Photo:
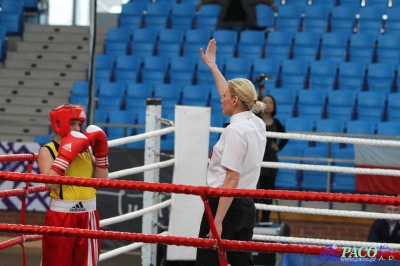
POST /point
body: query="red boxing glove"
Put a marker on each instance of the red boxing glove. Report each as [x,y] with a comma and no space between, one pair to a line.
[99,143]
[72,144]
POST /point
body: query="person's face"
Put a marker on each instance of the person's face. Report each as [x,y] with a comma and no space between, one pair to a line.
[269,104]
[227,102]
[76,125]
[391,209]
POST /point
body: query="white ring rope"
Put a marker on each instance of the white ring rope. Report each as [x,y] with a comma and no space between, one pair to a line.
[139,137]
[323,168]
[340,213]
[136,214]
[140,169]
[124,249]
[324,242]
[309,137]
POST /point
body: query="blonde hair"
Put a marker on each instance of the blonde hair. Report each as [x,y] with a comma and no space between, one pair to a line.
[245,91]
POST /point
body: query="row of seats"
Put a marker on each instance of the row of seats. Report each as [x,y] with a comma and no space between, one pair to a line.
[314,180]
[290,16]
[295,73]
[340,47]
[341,105]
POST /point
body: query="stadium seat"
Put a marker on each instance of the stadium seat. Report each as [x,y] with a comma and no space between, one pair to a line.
[322,75]
[329,126]
[389,128]
[316,18]
[343,19]
[306,45]
[168,92]
[149,35]
[237,68]
[195,95]
[298,125]
[334,46]
[294,74]
[120,117]
[387,48]
[314,180]
[381,77]
[182,70]
[268,67]
[289,18]
[279,45]
[371,106]
[370,20]
[393,107]
[392,23]
[111,89]
[265,16]
[362,48]
[352,76]
[183,15]
[80,88]
[360,127]
[341,105]
[131,14]
[311,104]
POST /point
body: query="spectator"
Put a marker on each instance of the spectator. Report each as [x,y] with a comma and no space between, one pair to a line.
[385,230]
[238,14]
[268,175]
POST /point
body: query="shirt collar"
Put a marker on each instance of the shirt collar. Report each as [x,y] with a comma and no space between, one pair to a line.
[241,116]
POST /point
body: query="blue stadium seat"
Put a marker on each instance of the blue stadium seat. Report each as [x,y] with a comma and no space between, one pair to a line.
[392,23]
[343,19]
[371,106]
[279,45]
[298,125]
[111,89]
[143,49]
[370,20]
[120,117]
[389,128]
[352,76]
[341,104]
[306,45]
[362,47]
[139,91]
[237,68]
[128,63]
[268,67]
[329,126]
[334,46]
[168,92]
[116,48]
[316,18]
[289,18]
[182,70]
[381,77]
[195,95]
[131,14]
[294,74]
[314,180]
[202,22]
[12,16]
[393,107]
[265,16]
[148,35]
[104,61]
[360,127]
[169,50]
[183,15]
[250,51]
[109,102]
[387,48]
[80,88]
[322,75]
[311,104]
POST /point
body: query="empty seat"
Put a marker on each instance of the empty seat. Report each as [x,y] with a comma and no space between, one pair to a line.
[182,15]
[111,89]
[392,22]
[285,99]
[389,128]
[330,127]
[362,47]
[360,127]
[341,105]
[279,45]
[371,106]
[120,117]
[311,103]
[322,75]
[237,68]
[289,18]
[298,125]
[209,23]
[381,77]
[131,14]
[294,74]
[316,18]
[310,179]
[352,76]
[168,93]
[343,19]
[182,70]
[388,48]
[306,45]
[334,46]
[370,20]
[267,67]
[393,107]
[195,95]
[265,16]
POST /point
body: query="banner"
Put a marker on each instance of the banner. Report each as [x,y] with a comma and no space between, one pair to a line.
[367,156]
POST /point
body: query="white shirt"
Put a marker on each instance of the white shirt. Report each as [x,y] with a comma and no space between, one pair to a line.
[241,149]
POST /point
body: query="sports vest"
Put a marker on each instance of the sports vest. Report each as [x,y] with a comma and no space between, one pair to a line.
[81,167]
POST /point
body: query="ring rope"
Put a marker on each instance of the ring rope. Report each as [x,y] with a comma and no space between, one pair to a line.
[132,215]
[341,213]
[139,137]
[325,168]
[124,249]
[22,191]
[203,190]
[141,169]
[19,240]
[324,242]
[174,240]
[310,137]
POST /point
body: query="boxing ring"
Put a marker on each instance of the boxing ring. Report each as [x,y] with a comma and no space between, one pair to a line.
[189,195]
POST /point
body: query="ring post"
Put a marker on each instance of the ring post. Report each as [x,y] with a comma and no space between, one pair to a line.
[192,134]
[151,156]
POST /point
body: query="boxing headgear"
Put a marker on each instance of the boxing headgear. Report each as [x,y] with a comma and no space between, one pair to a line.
[61,117]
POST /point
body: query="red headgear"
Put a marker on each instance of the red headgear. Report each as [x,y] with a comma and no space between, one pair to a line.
[61,117]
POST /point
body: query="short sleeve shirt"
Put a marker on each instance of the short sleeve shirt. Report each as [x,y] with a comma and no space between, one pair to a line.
[241,149]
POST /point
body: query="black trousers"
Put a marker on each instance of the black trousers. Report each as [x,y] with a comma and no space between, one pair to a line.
[238,224]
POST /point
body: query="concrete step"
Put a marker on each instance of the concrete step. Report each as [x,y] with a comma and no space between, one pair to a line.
[44,65]
[29,110]
[32,100]
[43,74]
[50,93]
[39,28]
[55,47]
[32,37]
[29,82]
[47,56]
